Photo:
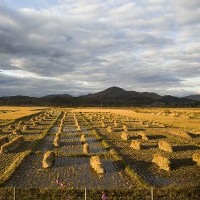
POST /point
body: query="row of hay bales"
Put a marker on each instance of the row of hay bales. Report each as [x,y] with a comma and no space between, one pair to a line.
[126,136]
[165,163]
[110,129]
[86,148]
[77,124]
[162,161]
[56,139]
[162,145]
[9,146]
[43,116]
[95,162]
[60,129]
[142,122]
[22,126]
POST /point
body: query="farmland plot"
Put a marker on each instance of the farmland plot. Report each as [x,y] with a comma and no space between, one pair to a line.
[74,130]
[71,167]
[183,170]
[73,172]
[31,135]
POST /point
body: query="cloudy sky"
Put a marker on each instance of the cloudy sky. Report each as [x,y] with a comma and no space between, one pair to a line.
[83,46]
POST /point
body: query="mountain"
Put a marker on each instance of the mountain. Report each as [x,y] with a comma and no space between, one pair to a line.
[194,97]
[171,100]
[119,93]
[118,96]
[57,95]
[151,95]
[17,100]
[112,92]
[113,96]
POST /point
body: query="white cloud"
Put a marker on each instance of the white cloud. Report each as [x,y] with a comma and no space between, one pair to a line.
[23,74]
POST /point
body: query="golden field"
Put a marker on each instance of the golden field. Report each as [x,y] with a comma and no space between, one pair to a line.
[136,148]
[11,113]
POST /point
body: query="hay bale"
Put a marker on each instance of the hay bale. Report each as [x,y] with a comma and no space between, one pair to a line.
[125,136]
[25,127]
[60,129]
[17,131]
[165,146]
[83,138]
[161,161]
[21,123]
[162,126]
[76,123]
[3,140]
[115,124]
[125,128]
[96,164]
[34,123]
[12,145]
[86,148]
[56,141]
[58,134]
[32,119]
[196,158]
[103,125]
[79,128]
[135,144]
[143,135]
[11,127]
[141,122]
[48,159]
[180,133]
[109,129]
[91,118]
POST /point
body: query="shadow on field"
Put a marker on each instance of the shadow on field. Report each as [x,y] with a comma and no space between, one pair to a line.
[136,129]
[192,135]
[134,137]
[117,129]
[22,147]
[91,140]
[69,143]
[110,168]
[140,166]
[177,163]
[64,161]
[156,137]
[185,148]
[146,147]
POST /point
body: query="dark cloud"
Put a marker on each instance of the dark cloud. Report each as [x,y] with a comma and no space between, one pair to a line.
[84,46]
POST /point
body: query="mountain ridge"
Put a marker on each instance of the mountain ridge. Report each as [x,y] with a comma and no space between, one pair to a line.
[113,96]
[194,97]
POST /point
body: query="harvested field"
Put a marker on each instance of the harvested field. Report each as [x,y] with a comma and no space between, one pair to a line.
[126,146]
[8,113]
[140,160]
[74,172]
